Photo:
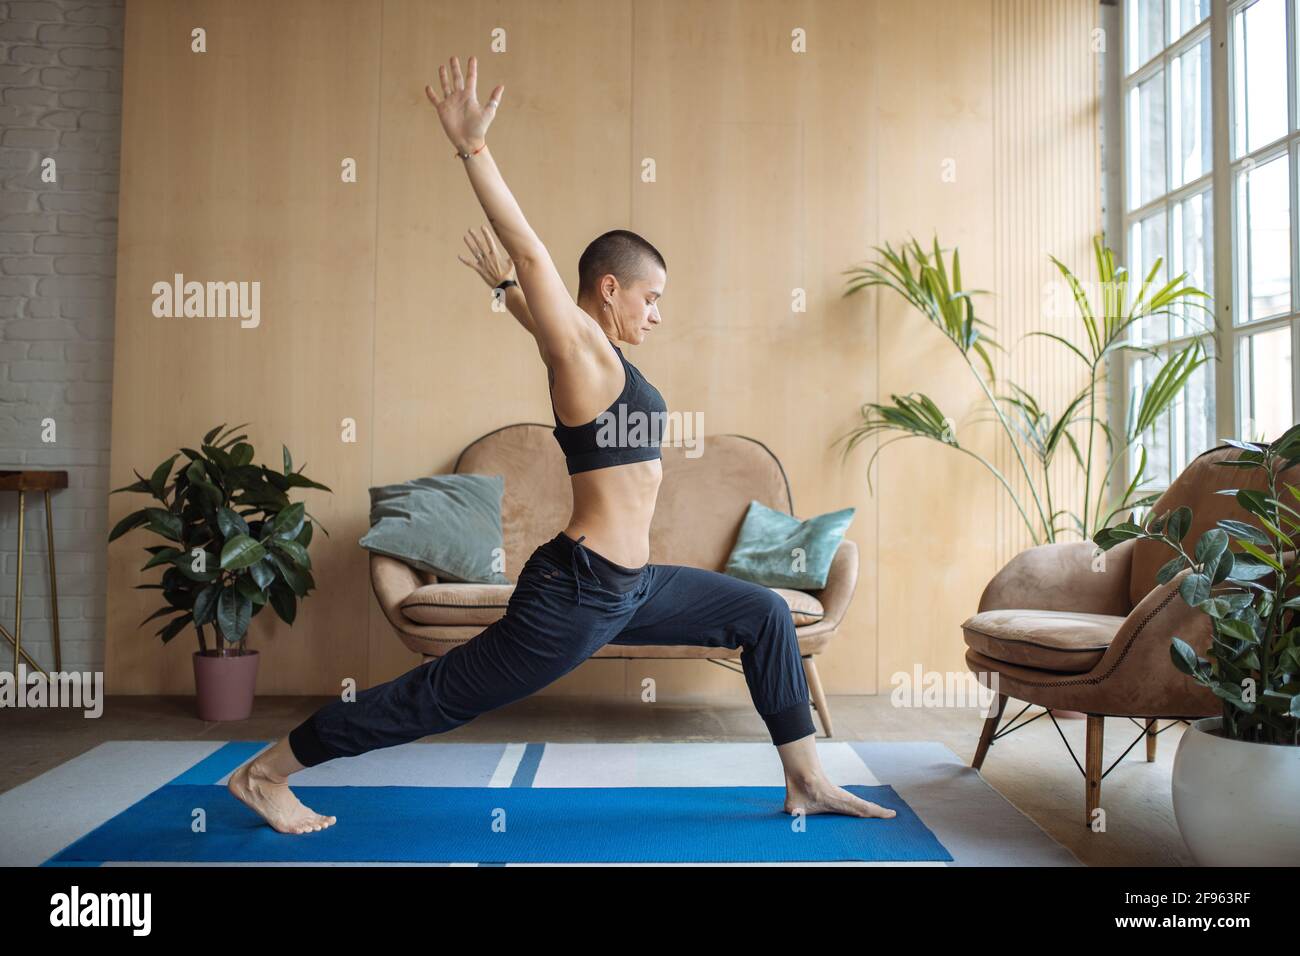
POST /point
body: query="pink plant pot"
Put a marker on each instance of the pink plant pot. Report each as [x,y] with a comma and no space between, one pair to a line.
[225,685]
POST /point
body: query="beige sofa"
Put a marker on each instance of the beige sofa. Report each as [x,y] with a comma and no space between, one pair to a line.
[702,502]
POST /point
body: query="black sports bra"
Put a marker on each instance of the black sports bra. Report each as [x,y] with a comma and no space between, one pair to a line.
[629,430]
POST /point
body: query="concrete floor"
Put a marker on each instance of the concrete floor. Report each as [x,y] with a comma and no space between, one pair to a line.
[1030,767]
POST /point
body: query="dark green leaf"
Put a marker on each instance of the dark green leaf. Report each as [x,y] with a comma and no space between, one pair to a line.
[249,589]
[230,523]
[220,459]
[158,481]
[205,604]
[233,613]
[165,523]
[1223,568]
[294,550]
[1185,659]
[241,454]
[289,522]
[1195,589]
[263,573]
[134,520]
[284,602]
[1256,502]
[165,556]
[1246,531]
[241,551]
[159,613]
[296,579]
[1246,567]
[1239,629]
[1211,546]
[1180,522]
[142,486]
[1170,570]
[296,480]
[174,628]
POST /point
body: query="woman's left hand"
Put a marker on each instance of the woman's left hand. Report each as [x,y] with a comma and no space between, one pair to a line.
[489,262]
[463,120]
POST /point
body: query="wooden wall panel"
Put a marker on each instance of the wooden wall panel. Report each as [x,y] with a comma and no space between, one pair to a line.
[765,189]
[231,172]
[1014,109]
[935,135]
[775,171]
[1046,183]
[448,368]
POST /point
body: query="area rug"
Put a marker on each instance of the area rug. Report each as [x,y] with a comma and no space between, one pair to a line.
[165,802]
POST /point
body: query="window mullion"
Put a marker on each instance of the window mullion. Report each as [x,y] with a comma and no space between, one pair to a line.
[1225,381]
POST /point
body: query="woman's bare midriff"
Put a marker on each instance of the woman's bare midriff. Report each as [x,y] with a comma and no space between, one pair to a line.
[613,507]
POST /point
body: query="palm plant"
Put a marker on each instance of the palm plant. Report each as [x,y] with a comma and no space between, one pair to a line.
[925,281]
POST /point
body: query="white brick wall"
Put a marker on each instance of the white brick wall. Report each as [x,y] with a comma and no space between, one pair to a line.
[60,98]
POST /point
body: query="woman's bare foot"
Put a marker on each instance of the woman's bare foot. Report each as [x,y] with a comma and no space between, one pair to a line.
[274,802]
[819,795]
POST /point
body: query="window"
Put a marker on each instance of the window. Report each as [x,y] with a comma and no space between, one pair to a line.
[1209,186]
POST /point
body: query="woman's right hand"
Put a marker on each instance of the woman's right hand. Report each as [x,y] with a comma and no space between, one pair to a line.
[463,120]
[490,262]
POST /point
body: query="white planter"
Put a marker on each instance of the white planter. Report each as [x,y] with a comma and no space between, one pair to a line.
[1236,801]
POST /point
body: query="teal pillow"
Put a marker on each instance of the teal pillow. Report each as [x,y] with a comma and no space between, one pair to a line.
[766,549]
[449,525]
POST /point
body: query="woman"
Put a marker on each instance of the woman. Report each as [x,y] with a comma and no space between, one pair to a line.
[571,599]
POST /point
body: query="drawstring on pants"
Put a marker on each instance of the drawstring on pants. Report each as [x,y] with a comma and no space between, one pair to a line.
[577,577]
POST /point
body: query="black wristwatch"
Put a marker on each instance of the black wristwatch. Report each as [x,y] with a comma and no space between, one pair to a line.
[506,283]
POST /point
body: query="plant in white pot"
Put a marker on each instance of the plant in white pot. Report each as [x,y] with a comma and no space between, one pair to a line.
[234,544]
[1236,778]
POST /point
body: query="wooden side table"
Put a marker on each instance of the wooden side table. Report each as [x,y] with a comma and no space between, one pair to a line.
[23,482]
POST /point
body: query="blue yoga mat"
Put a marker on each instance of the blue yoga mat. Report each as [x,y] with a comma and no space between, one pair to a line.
[536,824]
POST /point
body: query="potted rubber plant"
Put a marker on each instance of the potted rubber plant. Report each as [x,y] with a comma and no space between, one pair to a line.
[1235,777]
[233,544]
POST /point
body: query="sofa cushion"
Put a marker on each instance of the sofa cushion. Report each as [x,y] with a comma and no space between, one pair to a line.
[478,605]
[765,549]
[453,603]
[1065,641]
[448,525]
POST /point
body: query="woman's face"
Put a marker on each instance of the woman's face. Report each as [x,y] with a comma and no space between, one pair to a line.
[637,305]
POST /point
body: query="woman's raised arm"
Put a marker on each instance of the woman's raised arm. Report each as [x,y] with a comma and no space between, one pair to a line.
[557,317]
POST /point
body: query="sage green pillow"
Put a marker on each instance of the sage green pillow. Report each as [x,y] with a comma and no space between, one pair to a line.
[449,525]
[780,551]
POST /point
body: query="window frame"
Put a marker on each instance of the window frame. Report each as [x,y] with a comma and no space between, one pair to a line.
[1221,179]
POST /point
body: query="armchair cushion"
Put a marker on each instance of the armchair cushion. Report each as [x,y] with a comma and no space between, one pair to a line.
[1069,642]
[804,608]
[1064,576]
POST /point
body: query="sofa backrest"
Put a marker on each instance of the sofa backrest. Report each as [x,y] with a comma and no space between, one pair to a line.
[702,500]
[1196,488]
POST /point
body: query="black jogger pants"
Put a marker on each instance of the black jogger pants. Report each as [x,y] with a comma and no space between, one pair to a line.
[568,603]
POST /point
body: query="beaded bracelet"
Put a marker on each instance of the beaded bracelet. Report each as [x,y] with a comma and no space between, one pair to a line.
[468,155]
